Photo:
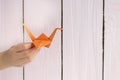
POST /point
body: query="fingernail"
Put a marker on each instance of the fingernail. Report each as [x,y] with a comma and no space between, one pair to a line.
[28,45]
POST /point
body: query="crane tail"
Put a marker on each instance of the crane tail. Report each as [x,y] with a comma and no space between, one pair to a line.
[29,32]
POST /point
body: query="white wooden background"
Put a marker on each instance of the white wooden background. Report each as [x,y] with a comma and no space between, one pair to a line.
[82,38]
[112,51]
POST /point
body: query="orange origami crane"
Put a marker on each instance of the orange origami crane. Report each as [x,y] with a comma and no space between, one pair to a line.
[42,40]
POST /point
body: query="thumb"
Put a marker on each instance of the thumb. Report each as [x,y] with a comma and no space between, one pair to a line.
[28,45]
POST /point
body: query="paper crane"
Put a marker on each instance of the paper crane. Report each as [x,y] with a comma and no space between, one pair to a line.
[42,40]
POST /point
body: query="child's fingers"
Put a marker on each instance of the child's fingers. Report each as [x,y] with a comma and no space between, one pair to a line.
[27,57]
[22,62]
[30,53]
[22,46]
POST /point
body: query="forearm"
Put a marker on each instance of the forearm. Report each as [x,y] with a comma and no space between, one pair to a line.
[3,64]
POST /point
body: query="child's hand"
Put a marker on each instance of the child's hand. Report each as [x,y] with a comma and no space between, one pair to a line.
[20,54]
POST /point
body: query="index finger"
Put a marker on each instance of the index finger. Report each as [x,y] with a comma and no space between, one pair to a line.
[23,46]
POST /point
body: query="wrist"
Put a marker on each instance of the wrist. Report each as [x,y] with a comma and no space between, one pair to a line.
[3,63]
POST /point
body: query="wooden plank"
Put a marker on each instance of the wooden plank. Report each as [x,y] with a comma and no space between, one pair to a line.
[10,33]
[44,16]
[82,39]
[112,40]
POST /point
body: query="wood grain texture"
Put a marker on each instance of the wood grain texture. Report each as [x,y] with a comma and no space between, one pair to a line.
[10,33]
[82,40]
[112,40]
[42,16]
